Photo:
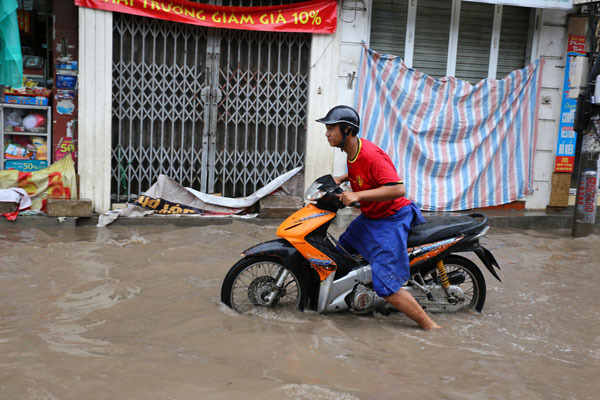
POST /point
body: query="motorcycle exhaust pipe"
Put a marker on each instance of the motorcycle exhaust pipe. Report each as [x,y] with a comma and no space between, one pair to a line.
[457,277]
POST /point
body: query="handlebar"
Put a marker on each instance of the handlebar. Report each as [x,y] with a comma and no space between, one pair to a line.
[338,190]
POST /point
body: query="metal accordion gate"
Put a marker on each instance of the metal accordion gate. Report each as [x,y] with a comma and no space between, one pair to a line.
[221,111]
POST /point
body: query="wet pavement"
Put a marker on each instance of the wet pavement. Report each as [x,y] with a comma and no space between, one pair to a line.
[134,312]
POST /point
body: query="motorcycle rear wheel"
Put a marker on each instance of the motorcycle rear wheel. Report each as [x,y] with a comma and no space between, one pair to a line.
[473,287]
[249,282]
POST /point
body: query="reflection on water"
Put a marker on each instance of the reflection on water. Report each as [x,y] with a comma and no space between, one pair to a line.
[134,312]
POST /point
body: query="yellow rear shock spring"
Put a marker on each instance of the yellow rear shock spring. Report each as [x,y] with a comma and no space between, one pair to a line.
[443,276]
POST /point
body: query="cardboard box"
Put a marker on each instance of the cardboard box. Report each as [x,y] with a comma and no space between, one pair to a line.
[578,25]
[26,100]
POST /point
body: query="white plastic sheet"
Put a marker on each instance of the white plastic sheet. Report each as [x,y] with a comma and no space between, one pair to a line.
[167,190]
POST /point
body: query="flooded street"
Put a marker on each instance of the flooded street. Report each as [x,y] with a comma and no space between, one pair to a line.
[134,312]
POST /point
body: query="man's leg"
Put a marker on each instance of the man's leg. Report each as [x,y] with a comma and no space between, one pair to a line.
[406,303]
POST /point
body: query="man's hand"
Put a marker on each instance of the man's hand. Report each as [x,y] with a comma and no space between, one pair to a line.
[348,198]
[340,179]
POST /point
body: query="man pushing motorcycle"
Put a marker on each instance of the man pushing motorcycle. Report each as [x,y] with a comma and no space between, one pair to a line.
[380,232]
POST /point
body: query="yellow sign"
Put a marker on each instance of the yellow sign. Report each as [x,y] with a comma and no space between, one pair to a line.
[58,181]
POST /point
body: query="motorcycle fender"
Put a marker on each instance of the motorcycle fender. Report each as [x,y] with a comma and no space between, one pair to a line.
[278,248]
[488,259]
[282,250]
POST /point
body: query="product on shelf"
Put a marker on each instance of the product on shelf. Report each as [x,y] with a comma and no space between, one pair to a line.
[29,89]
[13,119]
[41,147]
[29,94]
[24,121]
[15,152]
[25,148]
[34,120]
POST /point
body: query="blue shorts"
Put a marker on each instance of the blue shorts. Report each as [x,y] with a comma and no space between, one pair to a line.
[382,242]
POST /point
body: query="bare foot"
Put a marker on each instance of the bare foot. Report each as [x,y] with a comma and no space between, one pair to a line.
[432,327]
[406,303]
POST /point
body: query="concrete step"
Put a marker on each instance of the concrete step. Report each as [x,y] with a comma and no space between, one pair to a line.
[6,207]
[279,206]
[69,208]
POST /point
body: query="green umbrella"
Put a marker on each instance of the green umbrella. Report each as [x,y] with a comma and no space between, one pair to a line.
[11,59]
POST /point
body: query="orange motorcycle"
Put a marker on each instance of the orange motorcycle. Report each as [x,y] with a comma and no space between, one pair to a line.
[307,268]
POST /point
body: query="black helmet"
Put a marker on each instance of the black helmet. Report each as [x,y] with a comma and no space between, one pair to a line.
[340,115]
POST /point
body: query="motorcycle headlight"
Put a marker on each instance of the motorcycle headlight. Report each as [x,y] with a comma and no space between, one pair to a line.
[314,192]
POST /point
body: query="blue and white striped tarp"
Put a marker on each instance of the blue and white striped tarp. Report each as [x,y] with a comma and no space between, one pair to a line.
[457,146]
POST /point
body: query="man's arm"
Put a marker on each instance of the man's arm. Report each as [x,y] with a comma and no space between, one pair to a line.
[382,193]
[341,179]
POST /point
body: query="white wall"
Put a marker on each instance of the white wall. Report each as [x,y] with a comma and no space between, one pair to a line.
[94,115]
[551,46]
[354,25]
[329,85]
[322,95]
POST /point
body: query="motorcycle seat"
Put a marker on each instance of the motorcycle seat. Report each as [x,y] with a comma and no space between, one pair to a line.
[440,228]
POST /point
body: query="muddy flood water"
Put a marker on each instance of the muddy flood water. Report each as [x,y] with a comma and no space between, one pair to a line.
[134,312]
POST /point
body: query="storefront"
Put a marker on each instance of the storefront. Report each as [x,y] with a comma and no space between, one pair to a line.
[469,40]
[38,112]
[218,101]
[136,75]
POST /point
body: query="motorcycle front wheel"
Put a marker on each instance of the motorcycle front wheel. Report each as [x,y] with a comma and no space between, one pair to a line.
[252,283]
[468,277]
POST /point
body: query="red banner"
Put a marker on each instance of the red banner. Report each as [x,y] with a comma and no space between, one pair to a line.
[576,44]
[317,16]
[564,164]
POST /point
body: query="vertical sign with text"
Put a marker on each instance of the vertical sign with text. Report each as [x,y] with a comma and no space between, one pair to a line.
[567,137]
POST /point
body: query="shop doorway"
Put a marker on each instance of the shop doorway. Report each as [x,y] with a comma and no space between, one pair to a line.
[26,115]
[221,111]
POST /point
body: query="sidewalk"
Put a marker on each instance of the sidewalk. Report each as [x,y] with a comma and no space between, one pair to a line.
[515,219]
[537,220]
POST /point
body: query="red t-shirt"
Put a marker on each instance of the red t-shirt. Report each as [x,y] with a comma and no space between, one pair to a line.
[371,169]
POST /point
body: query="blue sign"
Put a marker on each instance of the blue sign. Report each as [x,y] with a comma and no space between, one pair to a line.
[567,137]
